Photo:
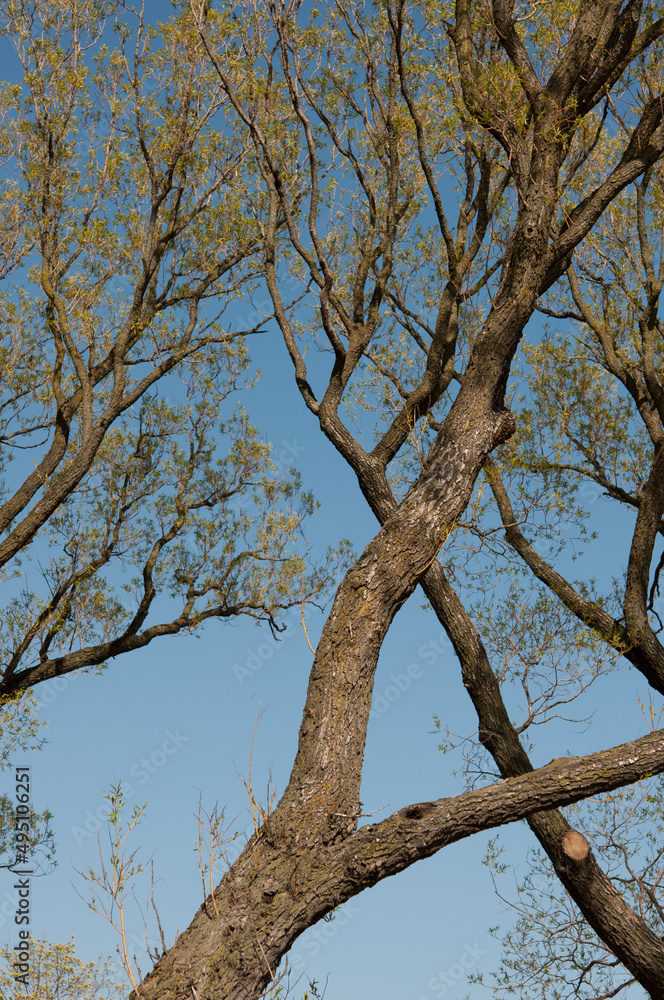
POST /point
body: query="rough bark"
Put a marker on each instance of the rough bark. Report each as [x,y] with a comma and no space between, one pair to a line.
[320,806]
[288,876]
[309,857]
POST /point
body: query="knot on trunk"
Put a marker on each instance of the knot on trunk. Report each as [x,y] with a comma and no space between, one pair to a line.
[504,427]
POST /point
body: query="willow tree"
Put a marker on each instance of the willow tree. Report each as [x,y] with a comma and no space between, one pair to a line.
[124,242]
[594,419]
[246,140]
[55,971]
[136,498]
[368,124]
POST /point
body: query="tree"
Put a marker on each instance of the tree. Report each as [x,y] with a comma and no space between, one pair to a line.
[534,119]
[122,219]
[551,951]
[153,504]
[352,123]
[38,837]
[57,974]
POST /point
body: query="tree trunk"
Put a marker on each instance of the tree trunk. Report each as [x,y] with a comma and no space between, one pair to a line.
[288,876]
[309,858]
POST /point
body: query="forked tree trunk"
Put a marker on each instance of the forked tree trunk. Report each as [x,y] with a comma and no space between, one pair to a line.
[309,857]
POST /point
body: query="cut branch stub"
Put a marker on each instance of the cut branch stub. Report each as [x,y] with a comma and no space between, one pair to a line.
[575,845]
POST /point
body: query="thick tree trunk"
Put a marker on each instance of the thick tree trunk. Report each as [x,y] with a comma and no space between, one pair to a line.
[321,803]
[288,877]
[623,931]
[309,858]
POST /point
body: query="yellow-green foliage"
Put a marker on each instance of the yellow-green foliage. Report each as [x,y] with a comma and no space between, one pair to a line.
[56,973]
